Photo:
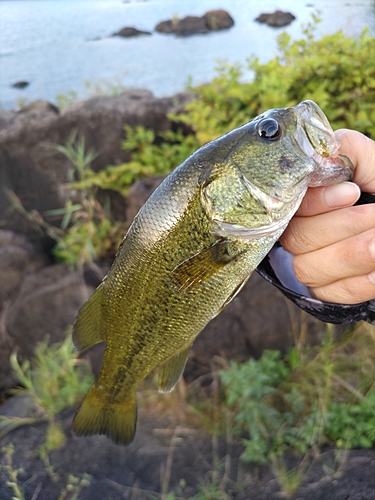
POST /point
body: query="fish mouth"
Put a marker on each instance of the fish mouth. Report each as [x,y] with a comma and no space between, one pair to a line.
[316,139]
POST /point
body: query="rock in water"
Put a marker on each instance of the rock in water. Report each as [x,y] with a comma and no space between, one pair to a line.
[129,31]
[277,19]
[218,20]
[213,20]
[21,84]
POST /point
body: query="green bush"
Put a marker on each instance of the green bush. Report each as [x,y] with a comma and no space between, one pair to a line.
[312,396]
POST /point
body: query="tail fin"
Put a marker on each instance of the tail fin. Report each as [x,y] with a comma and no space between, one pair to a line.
[117,421]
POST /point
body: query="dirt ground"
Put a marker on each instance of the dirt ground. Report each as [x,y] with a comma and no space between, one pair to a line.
[163,457]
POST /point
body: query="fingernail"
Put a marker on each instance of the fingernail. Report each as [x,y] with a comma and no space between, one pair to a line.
[341,195]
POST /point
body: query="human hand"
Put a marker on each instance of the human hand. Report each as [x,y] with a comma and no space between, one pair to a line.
[334,242]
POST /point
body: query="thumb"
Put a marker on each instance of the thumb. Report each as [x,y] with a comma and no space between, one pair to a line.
[327,198]
[361,150]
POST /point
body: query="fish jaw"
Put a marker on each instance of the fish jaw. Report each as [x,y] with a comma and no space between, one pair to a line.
[317,140]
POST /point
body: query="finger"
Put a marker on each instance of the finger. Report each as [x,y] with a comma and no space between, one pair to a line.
[361,150]
[306,234]
[325,199]
[347,291]
[348,258]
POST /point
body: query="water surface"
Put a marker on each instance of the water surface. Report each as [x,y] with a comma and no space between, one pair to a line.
[60,45]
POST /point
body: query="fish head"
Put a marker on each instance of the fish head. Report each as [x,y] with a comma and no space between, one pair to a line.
[275,158]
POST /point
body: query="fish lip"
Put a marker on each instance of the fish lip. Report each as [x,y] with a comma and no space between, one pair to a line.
[316,139]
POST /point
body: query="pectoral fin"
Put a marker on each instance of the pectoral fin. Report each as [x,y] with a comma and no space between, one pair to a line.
[201,266]
[87,329]
[171,370]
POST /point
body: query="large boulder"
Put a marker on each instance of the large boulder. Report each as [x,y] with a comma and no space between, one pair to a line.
[46,306]
[18,258]
[34,170]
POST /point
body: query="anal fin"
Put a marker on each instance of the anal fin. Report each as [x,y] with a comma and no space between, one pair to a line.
[87,328]
[171,370]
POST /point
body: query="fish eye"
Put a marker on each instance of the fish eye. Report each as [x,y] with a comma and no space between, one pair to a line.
[269,129]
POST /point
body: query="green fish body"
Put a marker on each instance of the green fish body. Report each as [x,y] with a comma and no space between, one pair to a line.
[189,251]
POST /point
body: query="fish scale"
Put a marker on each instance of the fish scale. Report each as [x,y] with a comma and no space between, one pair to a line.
[189,251]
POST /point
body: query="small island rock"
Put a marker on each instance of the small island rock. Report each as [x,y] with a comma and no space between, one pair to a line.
[129,31]
[218,20]
[277,19]
[20,85]
[213,20]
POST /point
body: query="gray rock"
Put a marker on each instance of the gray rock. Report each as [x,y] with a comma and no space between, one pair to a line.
[277,19]
[189,25]
[34,170]
[218,20]
[47,304]
[18,258]
[21,406]
[130,32]
[21,84]
[213,20]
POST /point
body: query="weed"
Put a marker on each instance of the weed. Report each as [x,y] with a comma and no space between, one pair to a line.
[105,87]
[312,396]
[20,102]
[74,487]
[55,378]
[65,100]
[71,491]
[12,473]
[86,231]
[152,154]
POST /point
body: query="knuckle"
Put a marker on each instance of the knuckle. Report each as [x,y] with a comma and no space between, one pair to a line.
[292,239]
[303,272]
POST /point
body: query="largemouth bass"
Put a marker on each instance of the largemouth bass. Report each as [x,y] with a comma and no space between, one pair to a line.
[190,250]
